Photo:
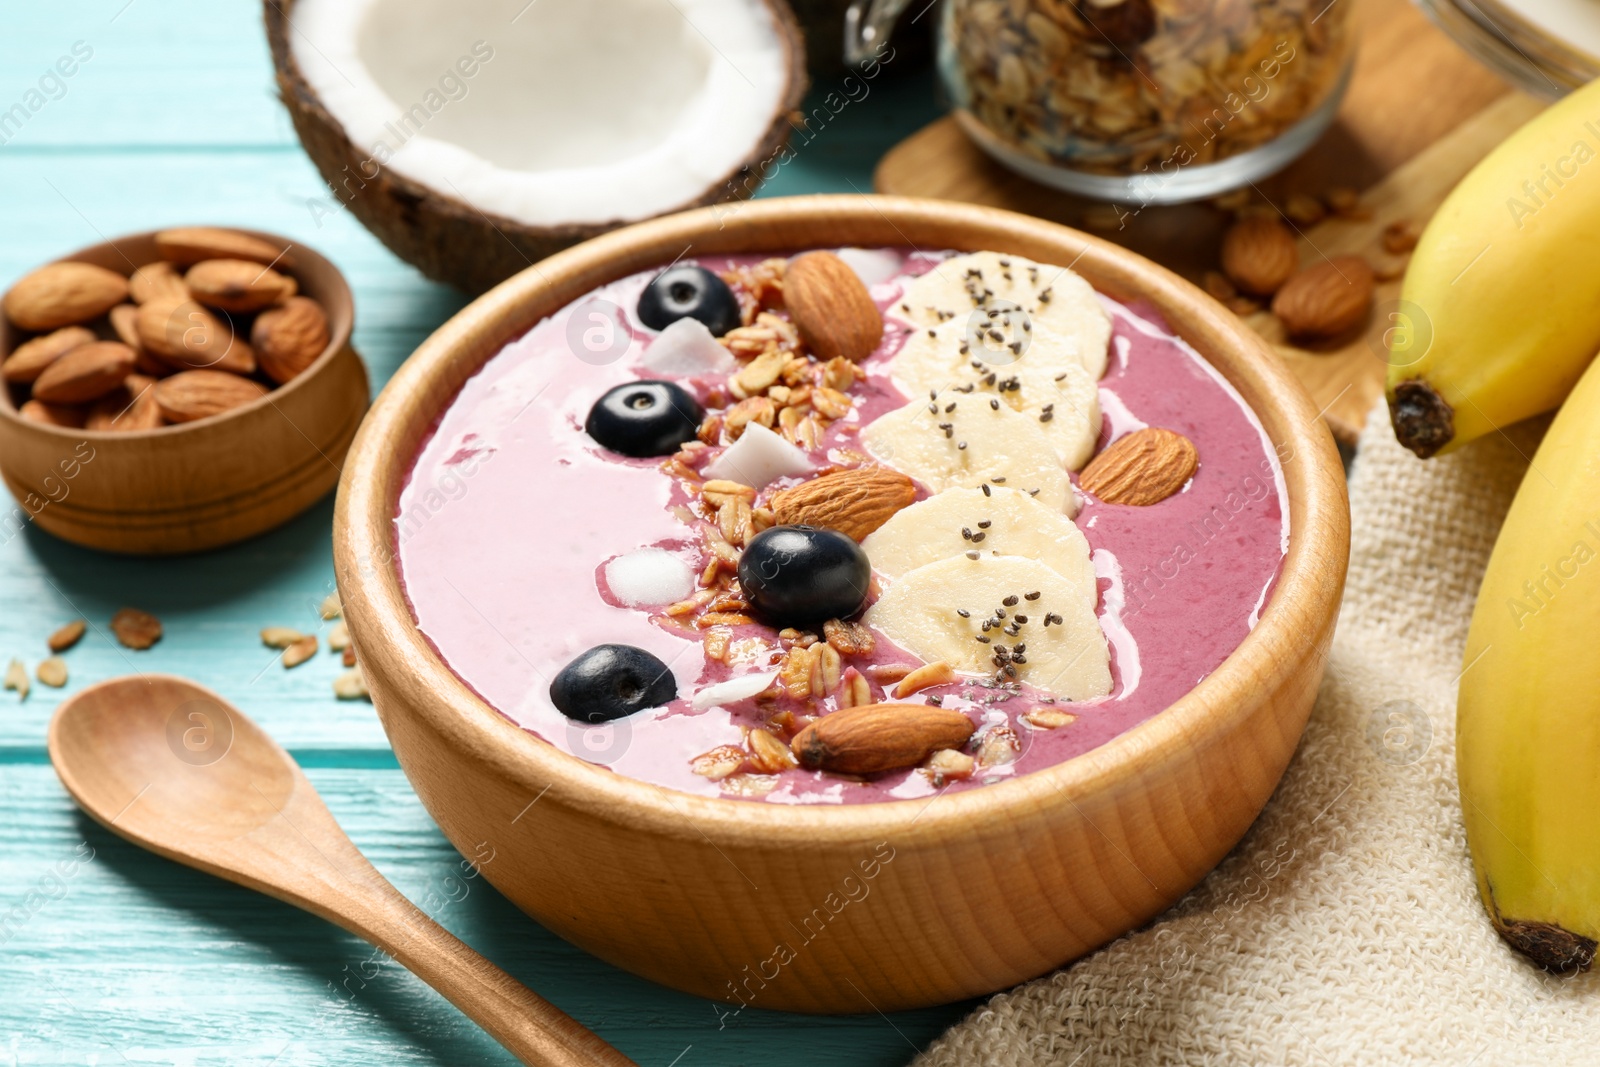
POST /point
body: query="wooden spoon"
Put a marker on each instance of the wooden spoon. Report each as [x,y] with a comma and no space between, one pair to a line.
[173,767]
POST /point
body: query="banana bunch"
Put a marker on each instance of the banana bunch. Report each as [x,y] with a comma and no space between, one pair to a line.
[1528,718]
[1500,309]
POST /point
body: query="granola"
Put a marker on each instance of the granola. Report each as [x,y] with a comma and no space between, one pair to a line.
[1141,85]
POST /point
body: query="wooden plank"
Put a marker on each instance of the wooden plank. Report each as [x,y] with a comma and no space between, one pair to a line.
[1394,112]
[158,74]
[125,953]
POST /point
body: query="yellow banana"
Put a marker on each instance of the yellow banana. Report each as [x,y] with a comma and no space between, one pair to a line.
[1528,718]
[1500,309]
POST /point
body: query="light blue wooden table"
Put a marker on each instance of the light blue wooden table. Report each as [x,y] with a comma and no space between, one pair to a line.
[109,955]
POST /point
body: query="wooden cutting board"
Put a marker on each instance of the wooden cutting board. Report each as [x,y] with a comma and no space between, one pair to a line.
[1419,114]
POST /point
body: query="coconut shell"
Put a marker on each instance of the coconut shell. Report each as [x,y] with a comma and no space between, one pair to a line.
[448,239]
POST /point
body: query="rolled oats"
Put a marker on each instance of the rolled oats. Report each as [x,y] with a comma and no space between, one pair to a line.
[850,638]
[751,409]
[854,689]
[768,754]
[718,763]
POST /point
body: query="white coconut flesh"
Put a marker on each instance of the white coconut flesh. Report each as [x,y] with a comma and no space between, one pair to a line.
[549,112]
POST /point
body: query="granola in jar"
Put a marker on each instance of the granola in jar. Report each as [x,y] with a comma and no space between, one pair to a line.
[1144,89]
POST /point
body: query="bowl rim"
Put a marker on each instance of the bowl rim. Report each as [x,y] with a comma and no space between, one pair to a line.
[1304,600]
[339,309]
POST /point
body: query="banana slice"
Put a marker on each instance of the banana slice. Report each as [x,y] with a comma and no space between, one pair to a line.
[1032,368]
[1050,296]
[921,612]
[962,440]
[1004,523]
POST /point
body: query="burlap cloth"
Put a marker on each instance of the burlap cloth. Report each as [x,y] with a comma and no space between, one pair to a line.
[1345,928]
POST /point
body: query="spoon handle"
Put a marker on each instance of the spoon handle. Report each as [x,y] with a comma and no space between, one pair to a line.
[531,1028]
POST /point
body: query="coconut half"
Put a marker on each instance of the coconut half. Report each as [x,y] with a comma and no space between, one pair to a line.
[475,137]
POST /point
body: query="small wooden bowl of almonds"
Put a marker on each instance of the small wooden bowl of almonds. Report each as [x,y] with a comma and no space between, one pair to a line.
[177,390]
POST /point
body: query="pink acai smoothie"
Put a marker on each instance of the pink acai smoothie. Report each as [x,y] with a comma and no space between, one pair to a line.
[512,512]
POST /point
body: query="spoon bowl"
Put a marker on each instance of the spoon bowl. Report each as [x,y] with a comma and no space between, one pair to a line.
[203,775]
[176,769]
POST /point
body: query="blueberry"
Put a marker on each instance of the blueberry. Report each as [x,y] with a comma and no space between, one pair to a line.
[610,681]
[793,575]
[692,292]
[646,418]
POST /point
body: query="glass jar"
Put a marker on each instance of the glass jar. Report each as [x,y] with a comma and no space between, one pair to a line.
[1544,47]
[1142,101]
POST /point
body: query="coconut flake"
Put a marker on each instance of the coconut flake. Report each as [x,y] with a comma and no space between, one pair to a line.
[686,348]
[872,265]
[757,457]
[741,688]
[648,578]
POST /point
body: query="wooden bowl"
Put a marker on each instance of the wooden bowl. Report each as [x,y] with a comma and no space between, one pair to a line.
[862,907]
[200,484]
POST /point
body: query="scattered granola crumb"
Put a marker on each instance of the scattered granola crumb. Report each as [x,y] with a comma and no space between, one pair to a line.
[300,651]
[949,764]
[349,659]
[1049,718]
[52,672]
[331,608]
[929,674]
[17,678]
[67,636]
[280,636]
[339,636]
[1401,236]
[351,685]
[1346,203]
[136,629]
[718,763]
[1303,210]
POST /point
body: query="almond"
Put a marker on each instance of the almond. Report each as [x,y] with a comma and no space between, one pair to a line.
[130,406]
[831,308]
[237,285]
[67,636]
[32,357]
[86,373]
[1327,298]
[136,629]
[1141,469]
[289,339]
[63,294]
[199,394]
[125,324]
[190,244]
[879,737]
[188,336]
[1259,255]
[64,415]
[854,502]
[158,279]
